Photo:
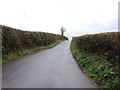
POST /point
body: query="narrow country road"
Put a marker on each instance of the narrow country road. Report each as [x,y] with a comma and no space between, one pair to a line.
[51,68]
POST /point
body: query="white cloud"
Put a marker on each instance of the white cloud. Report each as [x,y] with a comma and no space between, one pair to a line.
[77,16]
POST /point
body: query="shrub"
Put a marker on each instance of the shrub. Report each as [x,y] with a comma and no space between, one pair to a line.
[104,44]
[97,68]
[15,39]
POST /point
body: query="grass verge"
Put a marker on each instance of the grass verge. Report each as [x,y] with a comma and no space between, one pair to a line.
[14,55]
[98,70]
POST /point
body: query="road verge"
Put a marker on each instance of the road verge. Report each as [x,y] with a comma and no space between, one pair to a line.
[14,55]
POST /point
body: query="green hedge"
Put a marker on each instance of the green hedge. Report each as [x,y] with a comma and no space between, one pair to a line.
[99,70]
[106,45]
[15,39]
[99,57]
[14,55]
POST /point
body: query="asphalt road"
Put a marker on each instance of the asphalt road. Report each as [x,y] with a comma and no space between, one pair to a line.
[51,68]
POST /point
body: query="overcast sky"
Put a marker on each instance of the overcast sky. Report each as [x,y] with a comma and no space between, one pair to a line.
[78,17]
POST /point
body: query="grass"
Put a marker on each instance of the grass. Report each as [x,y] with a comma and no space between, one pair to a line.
[98,70]
[14,55]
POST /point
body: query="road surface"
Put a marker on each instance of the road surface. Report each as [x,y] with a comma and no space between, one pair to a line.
[51,68]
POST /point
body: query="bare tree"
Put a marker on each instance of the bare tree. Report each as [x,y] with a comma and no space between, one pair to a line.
[62,31]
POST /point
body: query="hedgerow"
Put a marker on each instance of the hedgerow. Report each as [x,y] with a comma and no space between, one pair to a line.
[98,55]
[14,39]
[106,45]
